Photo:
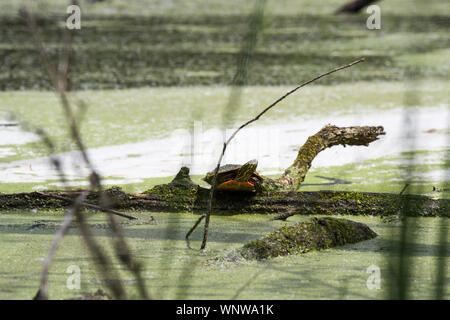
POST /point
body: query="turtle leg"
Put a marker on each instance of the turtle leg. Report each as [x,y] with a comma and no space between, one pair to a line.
[246,171]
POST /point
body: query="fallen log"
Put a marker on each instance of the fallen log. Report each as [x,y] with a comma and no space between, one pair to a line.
[177,198]
[89,205]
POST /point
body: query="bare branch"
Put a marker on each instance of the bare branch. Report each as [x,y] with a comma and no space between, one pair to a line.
[214,181]
[42,293]
[289,93]
[89,205]
[58,77]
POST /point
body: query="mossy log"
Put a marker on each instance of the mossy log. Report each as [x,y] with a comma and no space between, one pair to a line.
[313,234]
[177,198]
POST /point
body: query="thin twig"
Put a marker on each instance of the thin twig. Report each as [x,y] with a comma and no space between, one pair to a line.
[249,282]
[239,80]
[195,226]
[123,252]
[89,205]
[112,278]
[59,78]
[404,189]
[289,93]
[42,292]
[213,184]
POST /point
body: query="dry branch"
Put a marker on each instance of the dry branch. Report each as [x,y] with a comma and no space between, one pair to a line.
[89,205]
[42,293]
[216,170]
[327,137]
[59,79]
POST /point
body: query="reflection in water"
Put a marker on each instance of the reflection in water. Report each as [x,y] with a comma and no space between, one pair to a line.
[333,182]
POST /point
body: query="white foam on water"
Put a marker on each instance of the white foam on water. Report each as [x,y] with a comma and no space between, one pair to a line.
[4,152]
[14,135]
[86,182]
[275,147]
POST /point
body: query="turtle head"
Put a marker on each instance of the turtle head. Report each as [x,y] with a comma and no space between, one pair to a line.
[209,177]
[247,170]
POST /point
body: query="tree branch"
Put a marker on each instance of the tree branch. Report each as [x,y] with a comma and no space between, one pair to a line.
[213,184]
[327,137]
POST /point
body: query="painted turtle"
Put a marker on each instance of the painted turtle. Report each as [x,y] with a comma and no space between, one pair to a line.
[236,177]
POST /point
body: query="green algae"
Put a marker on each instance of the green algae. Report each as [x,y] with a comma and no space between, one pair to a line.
[180,194]
[178,199]
[181,49]
[173,271]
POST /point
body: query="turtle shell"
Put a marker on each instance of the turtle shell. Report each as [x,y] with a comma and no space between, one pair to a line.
[226,179]
[234,185]
[225,173]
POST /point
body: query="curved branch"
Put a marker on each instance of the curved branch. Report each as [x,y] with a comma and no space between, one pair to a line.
[327,137]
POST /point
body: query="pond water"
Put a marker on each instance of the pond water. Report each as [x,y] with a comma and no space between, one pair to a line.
[171,270]
[155,79]
[416,136]
[274,145]
[155,82]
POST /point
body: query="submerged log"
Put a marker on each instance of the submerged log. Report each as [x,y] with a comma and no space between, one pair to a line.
[313,234]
